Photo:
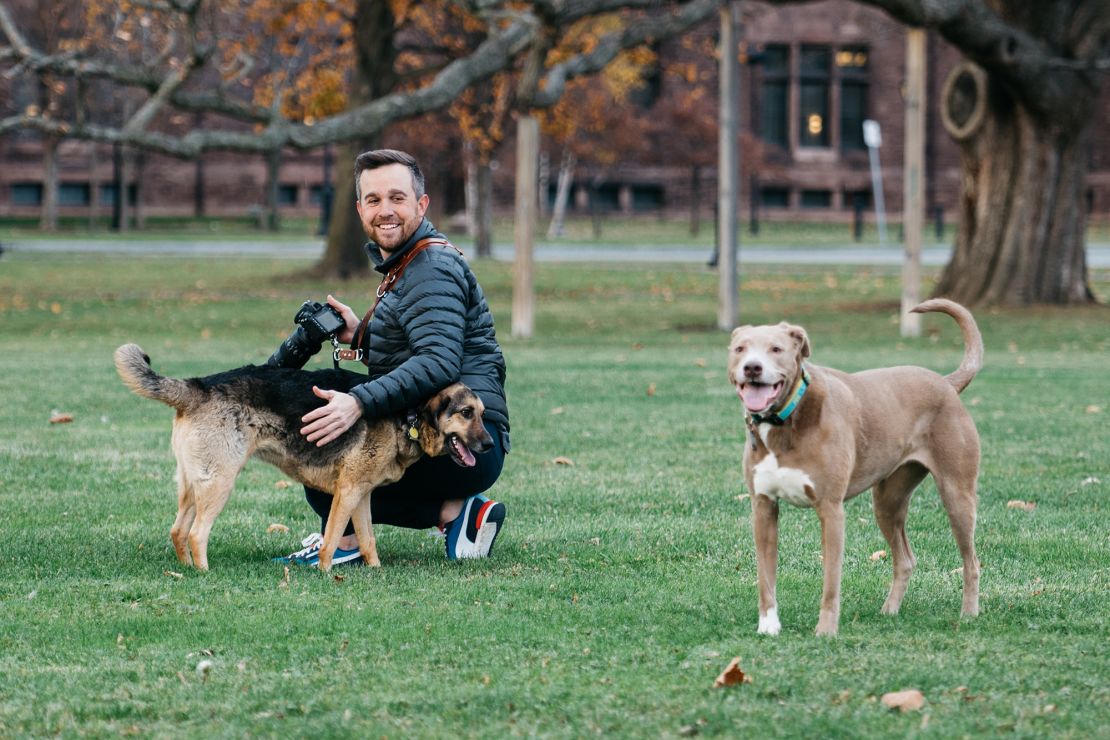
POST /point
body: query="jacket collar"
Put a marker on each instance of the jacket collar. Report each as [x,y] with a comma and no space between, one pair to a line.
[383,265]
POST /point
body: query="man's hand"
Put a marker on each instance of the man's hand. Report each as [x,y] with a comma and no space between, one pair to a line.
[326,423]
[349,318]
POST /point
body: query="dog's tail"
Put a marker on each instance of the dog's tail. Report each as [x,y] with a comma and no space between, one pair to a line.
[973,340]
[133,365]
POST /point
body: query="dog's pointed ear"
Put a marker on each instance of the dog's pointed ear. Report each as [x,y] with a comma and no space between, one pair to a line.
[800,336]
[435,406]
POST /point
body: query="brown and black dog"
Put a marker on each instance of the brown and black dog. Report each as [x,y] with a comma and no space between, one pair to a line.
[225,418]
[818,436]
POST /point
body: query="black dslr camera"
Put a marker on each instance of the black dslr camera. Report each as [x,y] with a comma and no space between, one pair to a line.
[319,320]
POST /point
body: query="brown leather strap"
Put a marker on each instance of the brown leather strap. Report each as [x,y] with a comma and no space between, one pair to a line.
[391,277]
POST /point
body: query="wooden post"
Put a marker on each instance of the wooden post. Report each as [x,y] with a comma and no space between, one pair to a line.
[527,158]
[913,190]
[728,167]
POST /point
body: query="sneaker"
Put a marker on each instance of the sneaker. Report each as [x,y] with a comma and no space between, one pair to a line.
[473,532]
[310,554]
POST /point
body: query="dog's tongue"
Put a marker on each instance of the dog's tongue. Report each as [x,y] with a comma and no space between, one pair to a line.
[465,454]
[757,397]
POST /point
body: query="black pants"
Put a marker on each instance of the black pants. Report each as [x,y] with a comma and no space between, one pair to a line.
[415,500]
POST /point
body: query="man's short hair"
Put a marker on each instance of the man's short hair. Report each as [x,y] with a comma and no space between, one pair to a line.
[376,158]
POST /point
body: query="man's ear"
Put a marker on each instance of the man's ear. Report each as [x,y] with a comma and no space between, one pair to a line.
[800,336]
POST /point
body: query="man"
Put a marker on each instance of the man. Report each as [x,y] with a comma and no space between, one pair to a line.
[431,327]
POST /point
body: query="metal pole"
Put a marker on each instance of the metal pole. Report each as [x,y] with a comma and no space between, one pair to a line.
[913,201]
[527,160]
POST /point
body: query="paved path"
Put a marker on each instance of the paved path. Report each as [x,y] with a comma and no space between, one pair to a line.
[1098,254]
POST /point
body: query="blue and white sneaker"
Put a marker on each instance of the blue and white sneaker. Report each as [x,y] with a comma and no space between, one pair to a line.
[474,531]
[310,554]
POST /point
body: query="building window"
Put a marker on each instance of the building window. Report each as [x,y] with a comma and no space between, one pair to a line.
[776,95]
[287,195]
[74,194]
[108,194]
[816,199]
[852,69]
[647,197]
[775,197]
[26,194]
[857,199]
[813,96]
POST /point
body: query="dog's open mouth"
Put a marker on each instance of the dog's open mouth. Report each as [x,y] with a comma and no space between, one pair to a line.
[460,453]
[758,397]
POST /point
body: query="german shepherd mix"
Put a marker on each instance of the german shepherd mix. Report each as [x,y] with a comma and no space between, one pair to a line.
[225,418]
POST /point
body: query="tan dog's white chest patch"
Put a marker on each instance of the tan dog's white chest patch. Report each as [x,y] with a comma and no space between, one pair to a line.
[786,484]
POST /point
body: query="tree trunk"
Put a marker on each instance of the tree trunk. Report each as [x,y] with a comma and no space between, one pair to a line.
[273,184]
[140,171]
[483,221]
[1021,236]
[372,77]
[48,218]
[562,194]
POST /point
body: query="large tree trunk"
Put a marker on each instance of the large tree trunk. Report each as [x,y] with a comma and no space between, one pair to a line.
[1021,237]
[372,77]
[48,218]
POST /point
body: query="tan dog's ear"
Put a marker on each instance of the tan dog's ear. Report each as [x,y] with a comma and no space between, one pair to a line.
[800,336]
[435,406]
[736,332]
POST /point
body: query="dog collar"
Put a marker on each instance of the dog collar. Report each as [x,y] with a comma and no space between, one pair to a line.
[412,424]
[779,417]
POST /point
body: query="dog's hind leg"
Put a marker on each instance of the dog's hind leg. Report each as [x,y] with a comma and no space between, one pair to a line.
[343,503]
[211,496]
[364,529]
[959,499]
[186,513]
[891,498]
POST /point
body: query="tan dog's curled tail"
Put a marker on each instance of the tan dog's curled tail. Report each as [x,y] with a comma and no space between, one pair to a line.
[133,365]
[973,340]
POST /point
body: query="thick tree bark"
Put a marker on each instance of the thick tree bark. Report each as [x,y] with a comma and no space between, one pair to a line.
[1021,237]
[372,77]
[48,220]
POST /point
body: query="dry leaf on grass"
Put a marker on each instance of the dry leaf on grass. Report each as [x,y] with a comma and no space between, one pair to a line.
[283,484]
[276,528]
[909,700]
[878,555]
[172,574]
[339,578]
[1023,505]
[560,460]
[61,418]
[557,410]
[284,583]
[732,675]
[1094,409]
[651,389]
[700,362]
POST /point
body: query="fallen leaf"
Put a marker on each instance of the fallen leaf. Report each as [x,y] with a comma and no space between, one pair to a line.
[339,577]
[638,346]
[700,362]
[203,669]
[557,410]
[651,389]
[61,418]
[909,700]
[284,583]
[732,675]
[276,528]
[172,574]
[1090,481]
[283,484]
[563,461]
[1093,409]
[1023,505]
[878,555]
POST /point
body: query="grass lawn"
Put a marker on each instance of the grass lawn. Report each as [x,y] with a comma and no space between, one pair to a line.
[623,582]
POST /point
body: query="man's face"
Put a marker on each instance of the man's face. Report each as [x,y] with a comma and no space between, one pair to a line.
[389,209]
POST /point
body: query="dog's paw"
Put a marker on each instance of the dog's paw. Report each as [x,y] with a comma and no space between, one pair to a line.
[769,623]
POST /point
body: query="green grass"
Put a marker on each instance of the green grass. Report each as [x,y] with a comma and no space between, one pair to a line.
[622,585]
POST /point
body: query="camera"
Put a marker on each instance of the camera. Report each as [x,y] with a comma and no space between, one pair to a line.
[319,320]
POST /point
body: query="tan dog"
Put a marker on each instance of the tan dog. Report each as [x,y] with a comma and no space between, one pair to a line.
[818,436]
[256,410]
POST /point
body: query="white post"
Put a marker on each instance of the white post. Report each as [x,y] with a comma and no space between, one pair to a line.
[872,136]
[527,157]
[913,198]
[728,167]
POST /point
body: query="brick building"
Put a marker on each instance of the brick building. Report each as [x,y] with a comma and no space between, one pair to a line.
[813,73]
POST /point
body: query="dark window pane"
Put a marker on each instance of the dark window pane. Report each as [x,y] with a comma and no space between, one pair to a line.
[816,198]
[74,194]
[776,60]
[287,195]
[647,197]
[813,122]
[774,114]
[26,194]
[775,197]
[853,112]
[816,61]
[857,198]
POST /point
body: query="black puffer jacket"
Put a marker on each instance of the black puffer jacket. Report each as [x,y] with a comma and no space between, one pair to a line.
[431,329]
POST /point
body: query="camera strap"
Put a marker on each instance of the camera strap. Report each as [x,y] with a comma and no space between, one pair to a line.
[355,354]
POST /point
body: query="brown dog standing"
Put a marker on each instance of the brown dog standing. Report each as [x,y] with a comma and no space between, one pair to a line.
[818,436]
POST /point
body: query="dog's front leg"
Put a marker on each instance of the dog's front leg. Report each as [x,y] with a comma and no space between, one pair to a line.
[765,527]
[364,528]
[831,515]
[342,504]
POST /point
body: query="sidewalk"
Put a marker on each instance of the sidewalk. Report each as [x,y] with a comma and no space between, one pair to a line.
[1098,254]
